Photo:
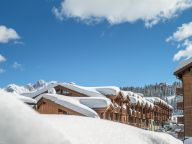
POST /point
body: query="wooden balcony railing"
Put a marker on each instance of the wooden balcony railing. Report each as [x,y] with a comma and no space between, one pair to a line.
[138,115]
[157,118]
[180,105]
[147,115]
[143,116]
[180,135]
[179,91]
[180,120]
[134,114]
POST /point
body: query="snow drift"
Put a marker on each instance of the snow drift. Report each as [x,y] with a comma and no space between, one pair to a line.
[19,124]
[188,141]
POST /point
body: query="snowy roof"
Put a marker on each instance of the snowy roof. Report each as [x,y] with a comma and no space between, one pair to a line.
[177,116]
[88,91]
[183,64]
[37,92]
[179,98]
[108,90]
[71,103]
[20,124]
[158,100]
[137,98]
[20,97]
[94,102]
[171,98]
[27,100]
[178,130]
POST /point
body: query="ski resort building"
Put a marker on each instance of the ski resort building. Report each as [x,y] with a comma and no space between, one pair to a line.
[107,102]
[184,73]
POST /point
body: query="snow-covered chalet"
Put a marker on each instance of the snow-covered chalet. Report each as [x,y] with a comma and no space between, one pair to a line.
[108,102]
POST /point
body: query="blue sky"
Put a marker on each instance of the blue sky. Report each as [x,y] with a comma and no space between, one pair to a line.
[71,50]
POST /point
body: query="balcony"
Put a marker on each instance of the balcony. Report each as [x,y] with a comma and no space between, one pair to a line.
[123,111]
[180,105]
[138,115]
[180,120]
[134,113]
[149,116]
[179,91]
[157,118]
[180,135]
[143,116]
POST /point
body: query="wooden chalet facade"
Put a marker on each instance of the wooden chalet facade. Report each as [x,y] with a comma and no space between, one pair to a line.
[46,106]
[184,73]
[141,113]
[161,112]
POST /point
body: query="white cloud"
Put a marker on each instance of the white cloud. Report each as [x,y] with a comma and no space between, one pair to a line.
[184,53]
[7,34]
[182,33]
[119,11]
[2,58]
[17,65]
[183,37]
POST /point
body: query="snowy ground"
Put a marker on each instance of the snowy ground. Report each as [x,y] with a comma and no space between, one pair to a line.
[19,124]
[188,141]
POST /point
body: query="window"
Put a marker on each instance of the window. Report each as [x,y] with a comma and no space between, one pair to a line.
[60,111]
[116,116]
[65,92]
[102,115]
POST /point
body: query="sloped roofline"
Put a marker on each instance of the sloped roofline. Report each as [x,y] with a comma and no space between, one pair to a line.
[71,103]
[182,67]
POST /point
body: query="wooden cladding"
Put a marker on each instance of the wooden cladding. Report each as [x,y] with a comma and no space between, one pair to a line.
[45,106]
[180,105]
[186,105]
[180,135]
[180,120]
[179,91]
[121,110]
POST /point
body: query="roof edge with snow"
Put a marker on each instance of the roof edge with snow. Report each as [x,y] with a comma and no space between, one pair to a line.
[70,103]
[183,66]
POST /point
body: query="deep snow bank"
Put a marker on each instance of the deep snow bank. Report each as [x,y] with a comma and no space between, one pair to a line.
[83,130]
[19,124]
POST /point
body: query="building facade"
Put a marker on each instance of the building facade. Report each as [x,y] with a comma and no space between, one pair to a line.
[109,103]
[184,73]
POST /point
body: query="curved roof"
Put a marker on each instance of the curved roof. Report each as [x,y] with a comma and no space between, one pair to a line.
[94,102]
[158,100]
[108,90]
[71,103]
[27,100]
[137,98]
[88,91]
